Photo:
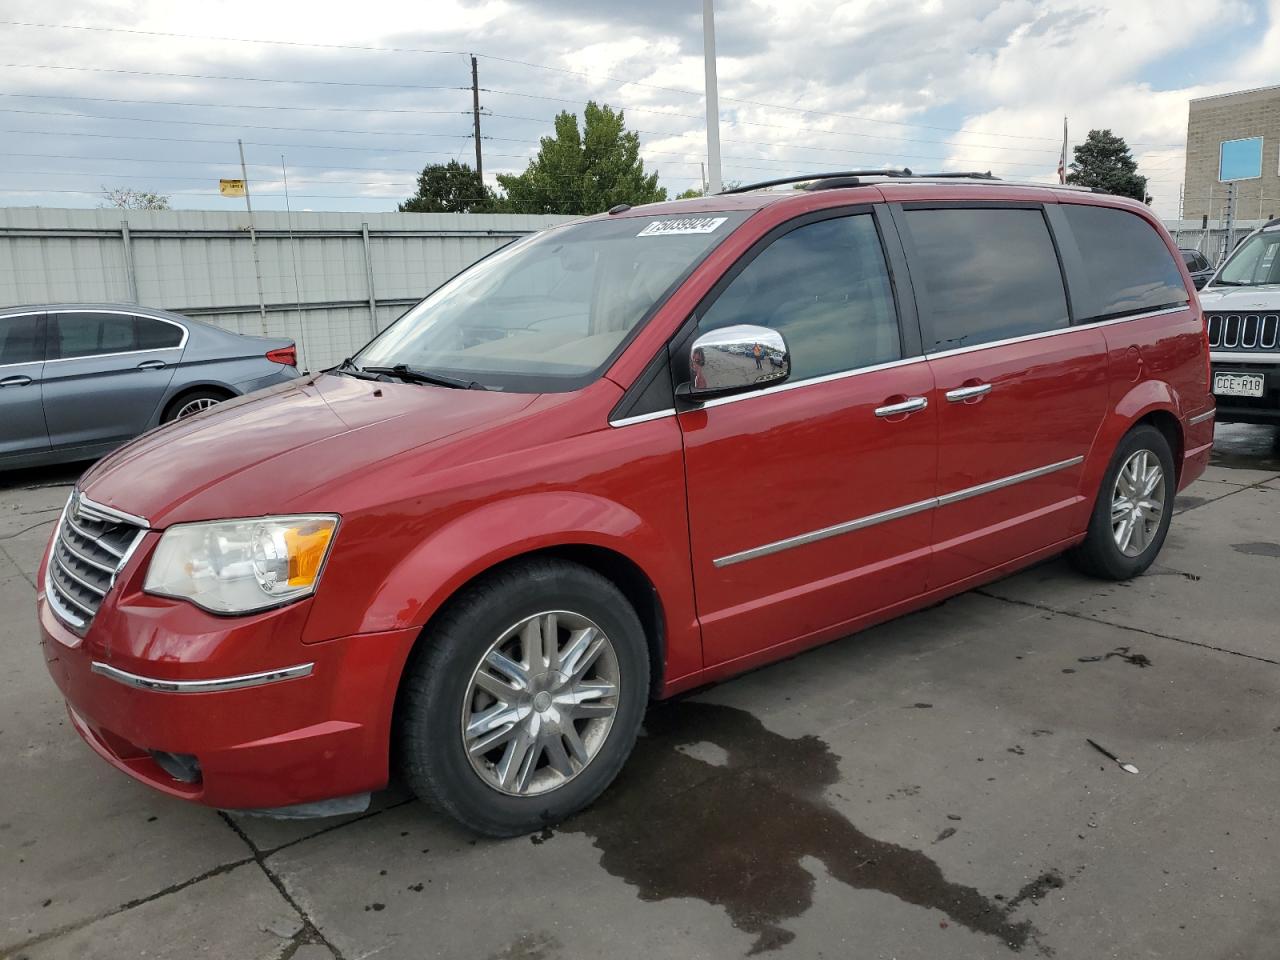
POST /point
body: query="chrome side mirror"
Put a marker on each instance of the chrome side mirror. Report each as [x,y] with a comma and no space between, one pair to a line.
[734,359]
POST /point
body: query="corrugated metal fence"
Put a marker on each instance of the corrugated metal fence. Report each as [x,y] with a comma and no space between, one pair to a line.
[329,280]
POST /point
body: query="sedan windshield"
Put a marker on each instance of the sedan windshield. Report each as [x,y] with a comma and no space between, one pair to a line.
[1254,262]
[547,313]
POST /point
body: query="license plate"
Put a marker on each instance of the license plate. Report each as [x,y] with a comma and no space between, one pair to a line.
[1239,384]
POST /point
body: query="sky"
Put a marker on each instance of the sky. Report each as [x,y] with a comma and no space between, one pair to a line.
[355,98]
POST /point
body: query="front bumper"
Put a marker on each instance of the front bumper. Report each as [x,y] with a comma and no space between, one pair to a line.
[312,722]
[1264,409]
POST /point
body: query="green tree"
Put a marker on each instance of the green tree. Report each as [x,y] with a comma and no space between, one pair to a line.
[451,187]
[583,171]
[1104,161]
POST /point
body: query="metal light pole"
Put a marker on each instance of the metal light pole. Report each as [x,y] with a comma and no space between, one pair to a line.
[713,96]
[253,238]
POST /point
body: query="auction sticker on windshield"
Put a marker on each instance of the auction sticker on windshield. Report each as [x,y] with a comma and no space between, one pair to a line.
[682,225]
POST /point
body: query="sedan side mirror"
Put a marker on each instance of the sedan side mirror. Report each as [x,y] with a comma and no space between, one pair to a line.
[735,359]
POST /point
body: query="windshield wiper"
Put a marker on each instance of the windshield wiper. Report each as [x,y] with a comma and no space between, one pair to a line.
[349,367]
[412,375]
[1233,283]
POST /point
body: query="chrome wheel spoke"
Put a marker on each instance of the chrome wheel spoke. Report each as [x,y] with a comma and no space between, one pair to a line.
[558,757]
[1124,533]
[591,645]
[515,672]
[577,749]
[518,760]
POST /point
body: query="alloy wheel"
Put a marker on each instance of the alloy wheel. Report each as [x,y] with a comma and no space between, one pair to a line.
[1138,502]
[540,704]
[192,407]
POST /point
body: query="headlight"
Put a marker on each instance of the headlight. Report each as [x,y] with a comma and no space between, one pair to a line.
[238,566]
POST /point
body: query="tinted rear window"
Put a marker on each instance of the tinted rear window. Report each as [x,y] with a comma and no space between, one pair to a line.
[986,274]
[156,334]
[1128,268]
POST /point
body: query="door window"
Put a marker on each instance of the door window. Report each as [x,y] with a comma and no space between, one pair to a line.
[1128,268]
[986,274]
[825,287]
[91,334]
[21,340]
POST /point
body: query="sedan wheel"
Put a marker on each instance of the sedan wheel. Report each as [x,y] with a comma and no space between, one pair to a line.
[194,406]
[540,703]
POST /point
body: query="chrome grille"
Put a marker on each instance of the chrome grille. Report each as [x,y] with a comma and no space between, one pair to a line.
[1243,331]
[90,547]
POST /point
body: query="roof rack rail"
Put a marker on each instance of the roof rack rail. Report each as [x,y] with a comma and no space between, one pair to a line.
[805,178]
[859,178]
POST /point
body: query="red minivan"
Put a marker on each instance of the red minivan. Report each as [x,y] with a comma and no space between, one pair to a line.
[615,460]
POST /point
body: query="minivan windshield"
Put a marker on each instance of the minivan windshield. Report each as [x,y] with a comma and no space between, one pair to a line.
[1254,263]
[546,313]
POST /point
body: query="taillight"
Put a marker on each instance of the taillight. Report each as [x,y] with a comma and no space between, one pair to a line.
[286,355]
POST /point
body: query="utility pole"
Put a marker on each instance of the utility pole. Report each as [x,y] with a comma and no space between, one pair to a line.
[475,116]
[713,96]
[253,238]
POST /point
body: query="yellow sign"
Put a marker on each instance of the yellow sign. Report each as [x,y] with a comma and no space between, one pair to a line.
[231,188]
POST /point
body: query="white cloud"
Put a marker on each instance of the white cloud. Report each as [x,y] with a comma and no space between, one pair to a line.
[805,85]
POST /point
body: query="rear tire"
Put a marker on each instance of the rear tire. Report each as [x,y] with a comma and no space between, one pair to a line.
[189,404]
[523,700]
[1135,504]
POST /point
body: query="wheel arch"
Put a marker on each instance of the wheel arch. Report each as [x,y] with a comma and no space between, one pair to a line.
[1153,402]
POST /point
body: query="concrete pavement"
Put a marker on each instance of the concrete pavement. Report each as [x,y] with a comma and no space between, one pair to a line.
[921,790]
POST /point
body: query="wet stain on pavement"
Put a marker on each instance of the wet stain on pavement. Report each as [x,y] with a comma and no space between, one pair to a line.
[1120,653]
[735,835]
[1257,549]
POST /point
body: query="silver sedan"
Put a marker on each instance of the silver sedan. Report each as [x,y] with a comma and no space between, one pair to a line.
[78,380]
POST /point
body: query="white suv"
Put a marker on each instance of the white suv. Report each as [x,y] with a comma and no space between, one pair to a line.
[1242,309]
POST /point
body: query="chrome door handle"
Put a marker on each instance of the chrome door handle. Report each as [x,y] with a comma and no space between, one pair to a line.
[151,365]
[909,405]
[16,381]
[960,394]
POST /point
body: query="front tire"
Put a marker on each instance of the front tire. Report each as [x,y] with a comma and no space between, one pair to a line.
[1135,504]
[523,700]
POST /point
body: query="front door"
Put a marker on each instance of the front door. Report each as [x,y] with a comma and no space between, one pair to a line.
[106,375]
[809,502]
[22,429]
[1020,393]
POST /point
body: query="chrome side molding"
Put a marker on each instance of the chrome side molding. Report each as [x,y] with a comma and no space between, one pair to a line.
[1202,417]
[895,514]
[201,686]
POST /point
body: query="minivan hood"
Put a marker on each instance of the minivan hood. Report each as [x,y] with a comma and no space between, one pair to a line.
[1262,297]
[255,454]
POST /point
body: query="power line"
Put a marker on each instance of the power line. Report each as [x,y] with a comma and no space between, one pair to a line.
[207,76]
[624,81]
[232,106]
[237,126]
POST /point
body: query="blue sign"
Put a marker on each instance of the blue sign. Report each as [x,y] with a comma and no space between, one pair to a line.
[1240,159]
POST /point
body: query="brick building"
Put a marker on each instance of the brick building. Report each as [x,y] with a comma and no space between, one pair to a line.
[1232,116]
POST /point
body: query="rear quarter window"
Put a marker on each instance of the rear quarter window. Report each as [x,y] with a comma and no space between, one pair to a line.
[1127,267]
